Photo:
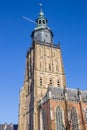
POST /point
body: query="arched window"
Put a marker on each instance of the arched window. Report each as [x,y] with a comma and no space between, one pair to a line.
[86,114]
[43,21]
[74,119]
[39,21]
[59,119]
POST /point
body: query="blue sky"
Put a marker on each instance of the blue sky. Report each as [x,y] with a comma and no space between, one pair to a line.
[68,21]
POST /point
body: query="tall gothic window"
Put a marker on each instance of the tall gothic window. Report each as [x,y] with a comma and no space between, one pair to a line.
[86,114]
[59,119]
[74,119]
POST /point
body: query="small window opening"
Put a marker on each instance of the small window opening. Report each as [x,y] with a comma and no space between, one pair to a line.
[43,21]
[39,21]
[40,81]
[58,83]
[50,81]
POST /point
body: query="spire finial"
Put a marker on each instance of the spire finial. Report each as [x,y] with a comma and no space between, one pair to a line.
[41,11]
[41,6]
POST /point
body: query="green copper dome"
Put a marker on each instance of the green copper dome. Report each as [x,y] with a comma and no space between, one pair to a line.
[41,13]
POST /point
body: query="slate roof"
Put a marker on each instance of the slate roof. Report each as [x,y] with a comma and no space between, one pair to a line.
[84,96]
[1,127]
[57,93]
[8,127]
[72,94]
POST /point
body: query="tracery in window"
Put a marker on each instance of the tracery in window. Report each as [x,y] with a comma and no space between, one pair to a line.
[59,119]
[74,119]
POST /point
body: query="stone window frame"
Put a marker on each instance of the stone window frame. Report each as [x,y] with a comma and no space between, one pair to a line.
[85,114]
[74,119]
[62,124]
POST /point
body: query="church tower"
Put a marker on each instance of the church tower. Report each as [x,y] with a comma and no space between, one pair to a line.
[44,68]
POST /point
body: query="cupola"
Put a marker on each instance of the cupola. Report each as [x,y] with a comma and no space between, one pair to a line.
[42,33]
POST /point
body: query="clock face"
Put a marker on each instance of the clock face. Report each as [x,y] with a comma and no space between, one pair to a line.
[43,36]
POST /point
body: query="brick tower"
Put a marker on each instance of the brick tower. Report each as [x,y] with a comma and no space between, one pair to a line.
[44,68]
